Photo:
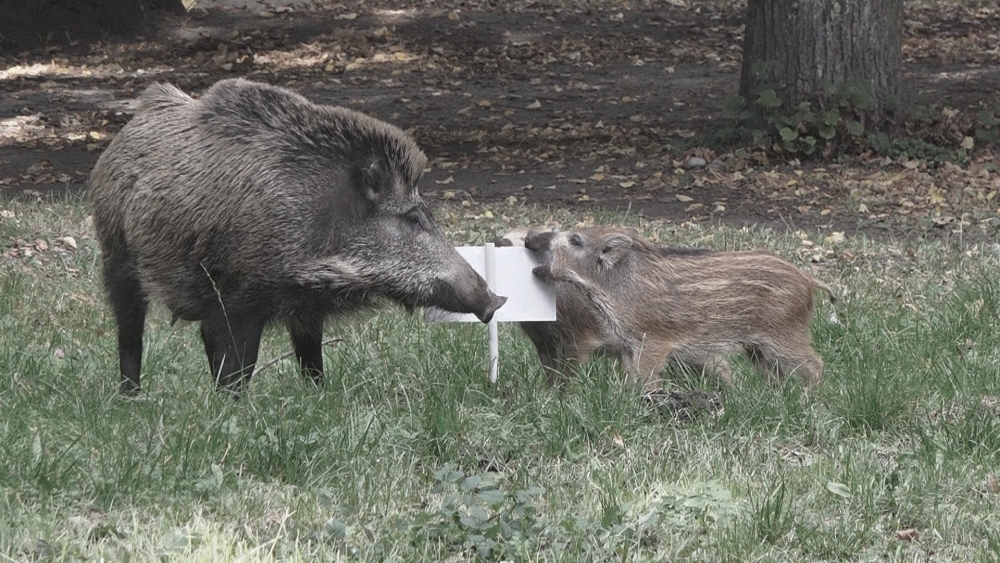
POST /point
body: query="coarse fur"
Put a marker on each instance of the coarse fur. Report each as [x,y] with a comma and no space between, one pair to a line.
[648,304]
[252,204]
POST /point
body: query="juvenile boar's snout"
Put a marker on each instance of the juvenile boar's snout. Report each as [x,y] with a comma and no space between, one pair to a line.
[539,242]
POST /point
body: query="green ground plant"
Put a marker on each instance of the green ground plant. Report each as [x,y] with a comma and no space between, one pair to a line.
[408,453]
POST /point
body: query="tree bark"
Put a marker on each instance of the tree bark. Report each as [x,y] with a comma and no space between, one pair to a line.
[799,46]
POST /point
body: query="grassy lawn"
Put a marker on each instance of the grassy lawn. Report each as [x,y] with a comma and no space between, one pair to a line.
[408,453]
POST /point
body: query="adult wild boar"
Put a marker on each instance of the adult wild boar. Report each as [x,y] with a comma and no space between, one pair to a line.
[252,204]
[647,304]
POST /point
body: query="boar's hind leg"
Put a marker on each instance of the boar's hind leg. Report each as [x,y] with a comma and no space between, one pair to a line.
[129,305]
[232,340]
[307,338]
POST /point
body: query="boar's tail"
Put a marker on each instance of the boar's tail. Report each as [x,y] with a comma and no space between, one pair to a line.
[827,289]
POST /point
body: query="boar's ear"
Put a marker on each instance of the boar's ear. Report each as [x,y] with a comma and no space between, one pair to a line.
[614,249]
[372,180]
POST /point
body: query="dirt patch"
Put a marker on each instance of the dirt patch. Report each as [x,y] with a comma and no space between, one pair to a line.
[592,108]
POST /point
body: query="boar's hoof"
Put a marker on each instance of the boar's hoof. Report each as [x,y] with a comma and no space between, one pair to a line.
[543,272]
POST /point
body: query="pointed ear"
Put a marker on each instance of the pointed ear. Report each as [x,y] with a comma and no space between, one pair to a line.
[372,180]
[615,248]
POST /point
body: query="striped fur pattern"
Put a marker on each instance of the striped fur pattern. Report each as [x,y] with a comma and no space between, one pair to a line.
[623,295]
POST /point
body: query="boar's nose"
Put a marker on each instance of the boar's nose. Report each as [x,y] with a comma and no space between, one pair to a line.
[538,242]
[496,302]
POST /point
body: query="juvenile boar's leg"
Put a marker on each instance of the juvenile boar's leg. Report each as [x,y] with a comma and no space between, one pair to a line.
[232,341]
[777,362]
[307,338]
[708,365]
[129,305]
[647,363]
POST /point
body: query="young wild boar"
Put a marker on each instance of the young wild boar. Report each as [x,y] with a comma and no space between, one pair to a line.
[646,304]
[250,205]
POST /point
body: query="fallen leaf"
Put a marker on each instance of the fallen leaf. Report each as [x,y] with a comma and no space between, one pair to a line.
[909,534]
[683,198]
[992,484]
[862,208]
[626,184]
[618,440]
[68,241]
[836,237]
[534,105]
[448,180]
[838,489]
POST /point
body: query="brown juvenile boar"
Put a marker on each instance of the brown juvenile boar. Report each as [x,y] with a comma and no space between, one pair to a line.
[622,295]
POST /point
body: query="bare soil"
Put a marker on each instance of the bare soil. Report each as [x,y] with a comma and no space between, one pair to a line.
[588,106]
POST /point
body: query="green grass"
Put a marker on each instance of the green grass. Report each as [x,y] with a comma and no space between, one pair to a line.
[408,453]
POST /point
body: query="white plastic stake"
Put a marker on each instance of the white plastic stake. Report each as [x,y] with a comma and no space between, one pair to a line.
[508,272]
[494,339]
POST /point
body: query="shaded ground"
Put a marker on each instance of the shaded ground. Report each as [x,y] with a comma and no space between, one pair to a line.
[586,107]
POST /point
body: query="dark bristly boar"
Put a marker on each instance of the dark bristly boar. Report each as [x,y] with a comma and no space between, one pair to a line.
[620,294]
[252,204]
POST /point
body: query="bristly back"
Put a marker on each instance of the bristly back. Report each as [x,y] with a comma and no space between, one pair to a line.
[647,247]
[161,96]
[247,109]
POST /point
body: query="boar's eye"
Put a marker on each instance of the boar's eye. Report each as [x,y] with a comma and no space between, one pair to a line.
[575,240]
[414,217]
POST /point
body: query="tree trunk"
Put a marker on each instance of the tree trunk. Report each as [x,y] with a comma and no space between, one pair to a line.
[798,47]
[31,24]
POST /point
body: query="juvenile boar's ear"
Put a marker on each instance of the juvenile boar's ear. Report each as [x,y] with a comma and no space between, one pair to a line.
[373,179]
[615,248]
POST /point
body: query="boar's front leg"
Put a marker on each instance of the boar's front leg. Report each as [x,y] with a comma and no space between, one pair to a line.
[232,341]
[643,366]
[307,339]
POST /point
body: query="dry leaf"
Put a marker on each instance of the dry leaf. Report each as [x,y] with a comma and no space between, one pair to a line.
[992,484]
[683,198]
[909,534]
[534,105]
[448,180]
[836,237]
[626,184]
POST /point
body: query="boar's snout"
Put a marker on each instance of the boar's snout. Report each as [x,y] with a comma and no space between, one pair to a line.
[486,315]
[467,293]
[539,242]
